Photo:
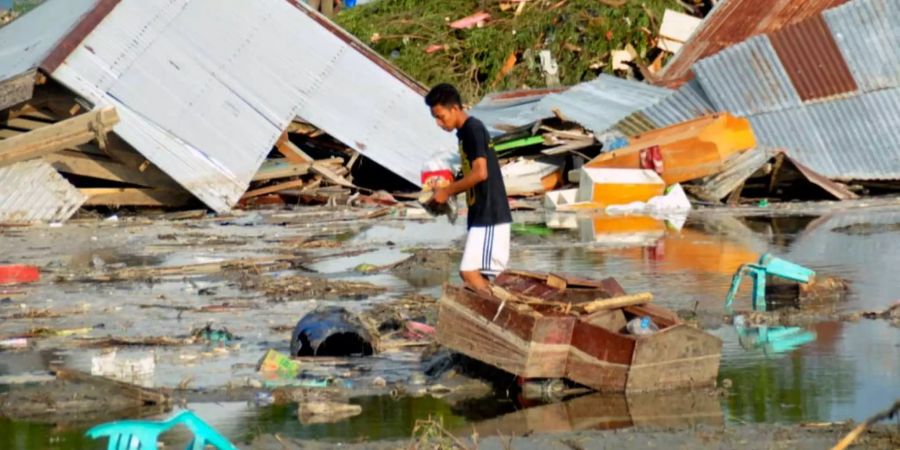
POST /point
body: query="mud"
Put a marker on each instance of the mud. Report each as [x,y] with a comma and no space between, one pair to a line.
[771,437]
[298,288]
[428,267]
[70,403]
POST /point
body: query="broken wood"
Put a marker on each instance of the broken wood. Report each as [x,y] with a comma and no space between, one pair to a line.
[59,136]
[137,393]
[617,302]
[290,151]
[850,437]
[274,188]
[134,197]
[17,89]
[570,146]
[85,165]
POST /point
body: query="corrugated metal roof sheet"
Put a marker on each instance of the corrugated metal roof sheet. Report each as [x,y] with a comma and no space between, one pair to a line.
[516,109]
[868,34]
[747,79]
[733,21]
[597,105]
[844,139]
[26,42]
[687,103]
[204,89]
[812,59]
[600,104]
[31,191]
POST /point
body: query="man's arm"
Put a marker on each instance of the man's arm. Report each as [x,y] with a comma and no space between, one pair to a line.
[478,174]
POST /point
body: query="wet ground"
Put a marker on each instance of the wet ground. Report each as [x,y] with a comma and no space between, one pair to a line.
[835,370]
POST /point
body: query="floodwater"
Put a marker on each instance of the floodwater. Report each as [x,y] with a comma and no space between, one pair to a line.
[830,371]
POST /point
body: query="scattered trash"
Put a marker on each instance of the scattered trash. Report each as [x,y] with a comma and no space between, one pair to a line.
[475,20]
[278,365]
[676,29]
[332,331]
[13,344]
[133,370]
[213,336]
[641,326]
[18,274]
[326,412]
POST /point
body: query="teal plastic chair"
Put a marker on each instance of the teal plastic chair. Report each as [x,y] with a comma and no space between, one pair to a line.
[143,434]
[767,265]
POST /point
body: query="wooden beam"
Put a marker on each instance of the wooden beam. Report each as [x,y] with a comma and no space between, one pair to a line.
[134,197]
[141,395]
[617,302]
[330,175]
[59,136]
[78,163]
[272,189]
[16,90]
[290,151]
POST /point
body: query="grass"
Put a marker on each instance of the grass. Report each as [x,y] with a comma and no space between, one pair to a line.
[581,34]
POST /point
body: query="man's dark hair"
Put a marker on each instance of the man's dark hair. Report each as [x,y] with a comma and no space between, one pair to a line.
[443,94]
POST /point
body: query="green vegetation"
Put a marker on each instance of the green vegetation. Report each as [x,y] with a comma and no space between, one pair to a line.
[579,33]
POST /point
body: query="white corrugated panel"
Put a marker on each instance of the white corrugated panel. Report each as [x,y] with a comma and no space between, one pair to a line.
[31,191]
[204,88]
[26,42]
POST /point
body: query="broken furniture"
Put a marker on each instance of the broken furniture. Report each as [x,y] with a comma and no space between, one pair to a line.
[767,266]
[555,326]
[771,340]
[143,434]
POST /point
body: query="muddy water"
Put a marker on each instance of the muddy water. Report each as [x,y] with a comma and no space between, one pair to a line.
[845,371]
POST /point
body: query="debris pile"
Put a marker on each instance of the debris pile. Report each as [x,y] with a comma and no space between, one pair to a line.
[79,128]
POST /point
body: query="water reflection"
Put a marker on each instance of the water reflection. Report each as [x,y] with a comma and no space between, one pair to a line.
[599,411]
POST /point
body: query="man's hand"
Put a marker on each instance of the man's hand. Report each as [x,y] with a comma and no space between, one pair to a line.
[441,195]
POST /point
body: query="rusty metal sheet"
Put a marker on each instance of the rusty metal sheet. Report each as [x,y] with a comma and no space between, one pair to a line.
[747,79]
[812,59]
[734,21]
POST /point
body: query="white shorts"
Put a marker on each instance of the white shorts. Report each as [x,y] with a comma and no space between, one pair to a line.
[487,250]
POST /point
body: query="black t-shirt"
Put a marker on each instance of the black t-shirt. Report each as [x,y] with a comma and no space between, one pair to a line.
[487,200]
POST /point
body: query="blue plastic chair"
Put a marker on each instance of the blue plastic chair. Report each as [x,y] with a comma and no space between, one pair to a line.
[767,265]
[143,434]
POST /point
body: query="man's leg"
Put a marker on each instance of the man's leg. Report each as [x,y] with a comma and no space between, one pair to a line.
[475,258]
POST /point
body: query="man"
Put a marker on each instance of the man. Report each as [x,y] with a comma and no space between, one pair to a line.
[487,244]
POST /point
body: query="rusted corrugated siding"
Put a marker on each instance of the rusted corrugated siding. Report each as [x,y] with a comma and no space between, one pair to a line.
[734,21]
[812,59]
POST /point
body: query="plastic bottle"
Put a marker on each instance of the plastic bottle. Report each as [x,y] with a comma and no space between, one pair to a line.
[641,326]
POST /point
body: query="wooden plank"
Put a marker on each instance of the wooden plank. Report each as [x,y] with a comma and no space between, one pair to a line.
[26,124]
[59,136]
[290,151]
[16,90]
[618,302]
[274,169]
[569,147]
[272,189]
[78,163]
[330,175]
[134,197]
